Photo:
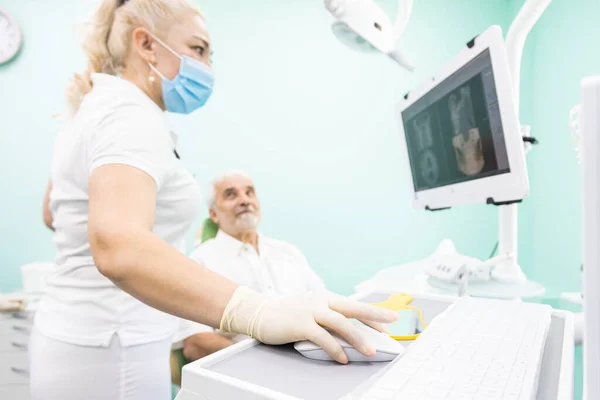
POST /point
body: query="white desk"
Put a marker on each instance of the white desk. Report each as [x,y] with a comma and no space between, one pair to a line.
[576,298]
[572,297]
[252,371]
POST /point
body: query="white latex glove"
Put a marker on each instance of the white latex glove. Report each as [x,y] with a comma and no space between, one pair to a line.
[304,317]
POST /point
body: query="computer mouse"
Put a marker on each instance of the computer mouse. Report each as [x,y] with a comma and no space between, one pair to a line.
[386,348]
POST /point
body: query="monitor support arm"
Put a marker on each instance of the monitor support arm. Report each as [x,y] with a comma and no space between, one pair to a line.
[509,270]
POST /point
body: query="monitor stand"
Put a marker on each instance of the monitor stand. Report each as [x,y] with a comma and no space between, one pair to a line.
[508,280]
[458,283]
[508,270]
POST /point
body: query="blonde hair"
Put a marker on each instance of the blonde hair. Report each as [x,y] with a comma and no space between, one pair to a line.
[108,40]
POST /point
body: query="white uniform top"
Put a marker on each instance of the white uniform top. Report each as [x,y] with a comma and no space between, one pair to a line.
[116,124]
[278,269]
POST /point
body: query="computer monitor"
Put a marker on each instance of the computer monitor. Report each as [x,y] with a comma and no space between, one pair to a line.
[460,131]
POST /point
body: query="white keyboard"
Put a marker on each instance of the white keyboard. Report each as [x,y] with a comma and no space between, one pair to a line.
[478,349]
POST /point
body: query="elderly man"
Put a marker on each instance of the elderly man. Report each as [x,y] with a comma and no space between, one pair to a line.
[238,252]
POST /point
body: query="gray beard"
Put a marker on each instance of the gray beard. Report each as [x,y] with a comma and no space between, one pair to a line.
[248,222]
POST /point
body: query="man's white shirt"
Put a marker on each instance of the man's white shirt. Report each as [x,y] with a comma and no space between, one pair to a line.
[278,269]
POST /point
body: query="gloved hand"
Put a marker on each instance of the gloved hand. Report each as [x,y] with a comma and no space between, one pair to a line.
[304,317]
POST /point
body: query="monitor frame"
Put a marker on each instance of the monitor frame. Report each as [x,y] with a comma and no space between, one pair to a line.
[504,188]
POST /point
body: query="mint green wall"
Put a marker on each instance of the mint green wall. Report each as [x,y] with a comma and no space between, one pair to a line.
[312,121]
[31,91]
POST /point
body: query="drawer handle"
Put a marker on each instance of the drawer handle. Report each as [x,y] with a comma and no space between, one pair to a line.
[20,371]
[21,329]
[18,315]
[21,346]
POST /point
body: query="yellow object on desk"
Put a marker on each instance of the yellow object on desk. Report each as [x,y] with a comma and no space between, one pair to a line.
[398,302]
[395,302]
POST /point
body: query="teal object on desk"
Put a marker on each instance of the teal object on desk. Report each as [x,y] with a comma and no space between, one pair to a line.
[406,325]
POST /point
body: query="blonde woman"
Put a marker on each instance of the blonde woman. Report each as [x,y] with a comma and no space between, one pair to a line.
[121,203]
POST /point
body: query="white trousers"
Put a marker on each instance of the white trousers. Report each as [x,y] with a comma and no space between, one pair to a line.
[63,371]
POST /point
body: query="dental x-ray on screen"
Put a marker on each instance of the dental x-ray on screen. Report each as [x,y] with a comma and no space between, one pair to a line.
[454,133]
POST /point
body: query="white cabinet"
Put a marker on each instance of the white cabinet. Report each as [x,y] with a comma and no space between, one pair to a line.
[15,329]
[13,342]
[15,323]
[19,392]
[14,368]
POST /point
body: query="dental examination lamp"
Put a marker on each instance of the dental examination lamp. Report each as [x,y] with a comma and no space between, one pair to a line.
[365,27]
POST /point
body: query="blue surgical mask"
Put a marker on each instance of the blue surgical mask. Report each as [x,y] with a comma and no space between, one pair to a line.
[190,88]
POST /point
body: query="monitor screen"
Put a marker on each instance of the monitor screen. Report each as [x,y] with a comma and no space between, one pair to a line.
[454,132]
